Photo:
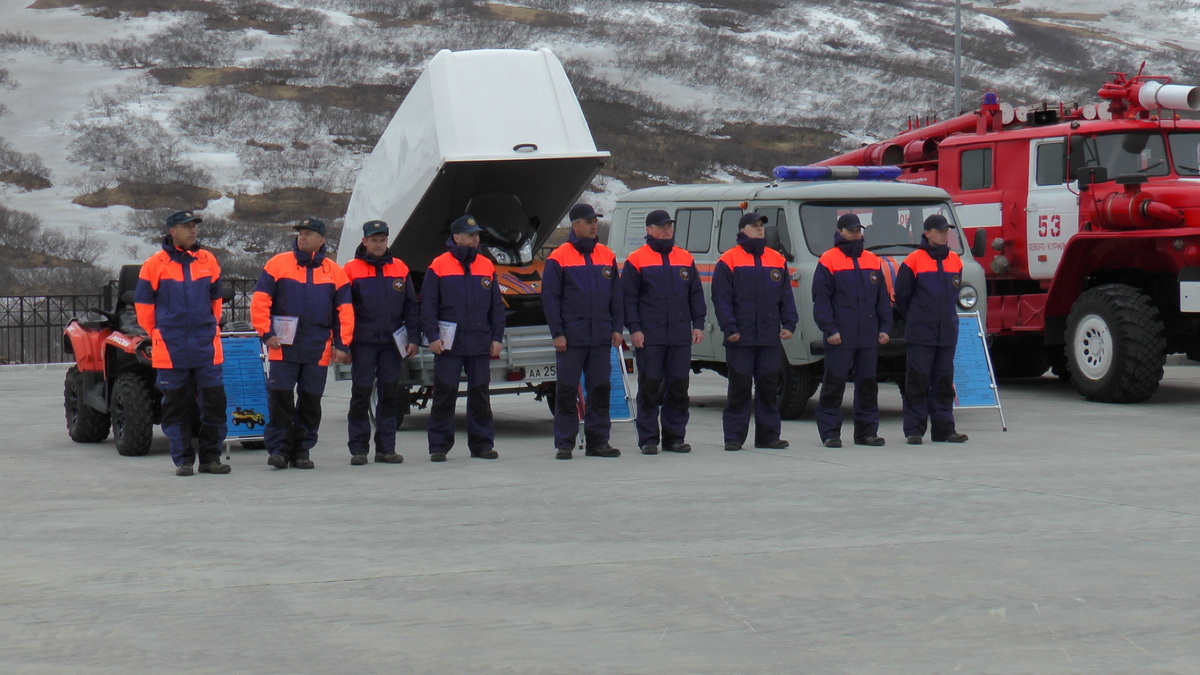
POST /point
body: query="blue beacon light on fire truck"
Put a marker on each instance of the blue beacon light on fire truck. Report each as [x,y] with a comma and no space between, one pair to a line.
[836,172]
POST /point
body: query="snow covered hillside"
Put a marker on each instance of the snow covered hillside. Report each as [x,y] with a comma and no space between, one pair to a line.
[113,112]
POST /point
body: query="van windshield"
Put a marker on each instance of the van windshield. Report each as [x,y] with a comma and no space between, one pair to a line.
[890,228]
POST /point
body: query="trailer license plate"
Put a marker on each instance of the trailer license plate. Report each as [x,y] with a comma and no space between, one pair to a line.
[541,373]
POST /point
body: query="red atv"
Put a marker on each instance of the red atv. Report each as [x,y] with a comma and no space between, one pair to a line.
[112,381]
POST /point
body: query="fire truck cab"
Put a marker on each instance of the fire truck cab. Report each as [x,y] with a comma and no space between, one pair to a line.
[1087,222]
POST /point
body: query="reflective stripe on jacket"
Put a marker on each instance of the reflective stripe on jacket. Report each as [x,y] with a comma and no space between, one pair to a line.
[663,298]
[178,303]
[313,288]
[850,297]
[752,296]
[469,298]
[581,294]
[383,297]
[927,295]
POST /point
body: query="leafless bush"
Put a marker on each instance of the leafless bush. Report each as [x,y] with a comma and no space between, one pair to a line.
[82,245]
[10,40]
[18,229]
[59,280]
[24,162]
[182,44]
[318,166]
[133,148]
[222,112]
[266,12]
[6,80]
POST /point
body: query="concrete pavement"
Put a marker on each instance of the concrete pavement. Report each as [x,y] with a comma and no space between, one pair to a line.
[1068,544]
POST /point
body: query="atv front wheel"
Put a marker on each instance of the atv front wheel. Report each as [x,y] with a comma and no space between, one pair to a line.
[85,424]
[132,410]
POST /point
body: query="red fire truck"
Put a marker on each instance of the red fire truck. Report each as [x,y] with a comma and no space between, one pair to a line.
[1086,220]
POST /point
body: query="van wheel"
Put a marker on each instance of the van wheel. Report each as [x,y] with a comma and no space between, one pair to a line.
[132,410]
[797,384]
[1115,344]
[85,424]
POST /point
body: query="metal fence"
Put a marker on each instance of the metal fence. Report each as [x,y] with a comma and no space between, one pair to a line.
[31,326]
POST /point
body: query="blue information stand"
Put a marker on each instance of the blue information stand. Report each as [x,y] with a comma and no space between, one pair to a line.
[974,379]
[620,403]
[245,387]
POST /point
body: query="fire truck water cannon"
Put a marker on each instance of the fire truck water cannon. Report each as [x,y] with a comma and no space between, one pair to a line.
[1138,96]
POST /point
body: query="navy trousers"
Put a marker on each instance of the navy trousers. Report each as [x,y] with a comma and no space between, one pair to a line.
[757,366]
[594,364]
[292,429]
[663,386]
[481,433]
[187,391]
[371,365]
[838,362]
[929,391]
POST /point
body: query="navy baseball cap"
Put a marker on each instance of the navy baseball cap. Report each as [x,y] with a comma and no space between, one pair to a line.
[848,221]
[751,219]
[658,217]
[181,217]
[583,211]
[937,222]
[374,227]
[464,225]
[315,224]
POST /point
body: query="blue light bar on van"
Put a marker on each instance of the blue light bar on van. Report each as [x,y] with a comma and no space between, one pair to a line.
[837,172]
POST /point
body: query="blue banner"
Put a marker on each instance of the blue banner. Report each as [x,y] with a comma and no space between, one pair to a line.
[245,387]
[974,386]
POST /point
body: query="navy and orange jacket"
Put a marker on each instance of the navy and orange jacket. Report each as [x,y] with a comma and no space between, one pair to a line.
[927,295]
[663,298]
[850,295]
[178,303]
[460,287]
[581,293]
[383,297]
[752,294]
[313,288]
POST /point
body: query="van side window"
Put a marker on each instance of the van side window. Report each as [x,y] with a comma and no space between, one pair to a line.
[976,169]
[729,229]
[778,237]
[693,229]
[1051,169]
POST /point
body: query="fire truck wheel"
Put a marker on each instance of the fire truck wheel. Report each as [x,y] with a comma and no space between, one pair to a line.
[797,384]
[132,410]
[85,424]
[1115,344]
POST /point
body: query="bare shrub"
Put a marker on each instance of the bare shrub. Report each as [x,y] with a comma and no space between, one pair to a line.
[18,229]
[133,148]
[70,279]
[318,166]
[221,112]
[22,162]
[6,80]
[10,40]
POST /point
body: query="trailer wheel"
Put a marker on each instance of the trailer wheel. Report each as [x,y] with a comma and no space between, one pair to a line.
[85,424]
[132,415]
[797,384]
[1115,344]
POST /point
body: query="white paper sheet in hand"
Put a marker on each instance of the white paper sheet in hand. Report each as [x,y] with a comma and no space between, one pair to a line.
[446,330]
[285,328]
[401,339]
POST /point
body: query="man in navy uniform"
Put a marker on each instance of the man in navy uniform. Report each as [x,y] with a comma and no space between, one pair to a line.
[752,298]
[460,288]
[664,313]
[583,305]
[926,292]
[178,303]
[853,311]
[384,302]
